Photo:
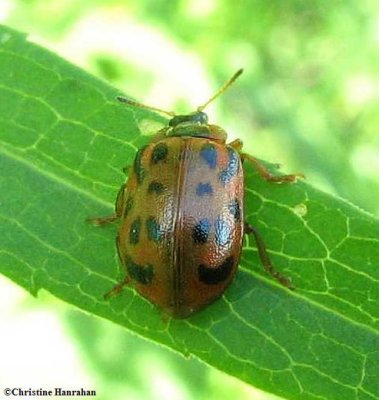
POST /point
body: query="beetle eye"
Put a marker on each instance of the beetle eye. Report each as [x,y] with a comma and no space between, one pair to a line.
[202,117]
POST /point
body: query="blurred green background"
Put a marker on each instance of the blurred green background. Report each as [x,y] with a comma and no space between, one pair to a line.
[308,99]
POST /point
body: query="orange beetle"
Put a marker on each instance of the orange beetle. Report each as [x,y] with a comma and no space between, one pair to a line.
[182,214]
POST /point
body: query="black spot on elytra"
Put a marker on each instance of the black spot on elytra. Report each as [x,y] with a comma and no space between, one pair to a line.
[200,231]
[154,231]
[138,168]
[213,276]
[203,189]
[135,229]
[155,187]
[223,231]
[232,168]
[235,210]
[159,153]
[141,273]
[209,154]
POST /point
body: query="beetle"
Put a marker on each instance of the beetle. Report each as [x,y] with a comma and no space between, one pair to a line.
[182,213]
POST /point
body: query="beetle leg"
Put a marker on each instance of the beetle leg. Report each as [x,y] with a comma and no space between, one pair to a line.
[266,174]
[98,221]
[236,144]
[265,259]
[120,201]
[117,288]
[262,170]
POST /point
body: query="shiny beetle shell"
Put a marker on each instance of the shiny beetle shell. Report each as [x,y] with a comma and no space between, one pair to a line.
[182,217]
[182,214]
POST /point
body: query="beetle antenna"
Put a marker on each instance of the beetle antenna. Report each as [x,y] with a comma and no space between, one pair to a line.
[135,103]
[222,89]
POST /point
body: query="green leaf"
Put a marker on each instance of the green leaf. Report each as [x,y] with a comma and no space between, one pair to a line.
[64,141]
